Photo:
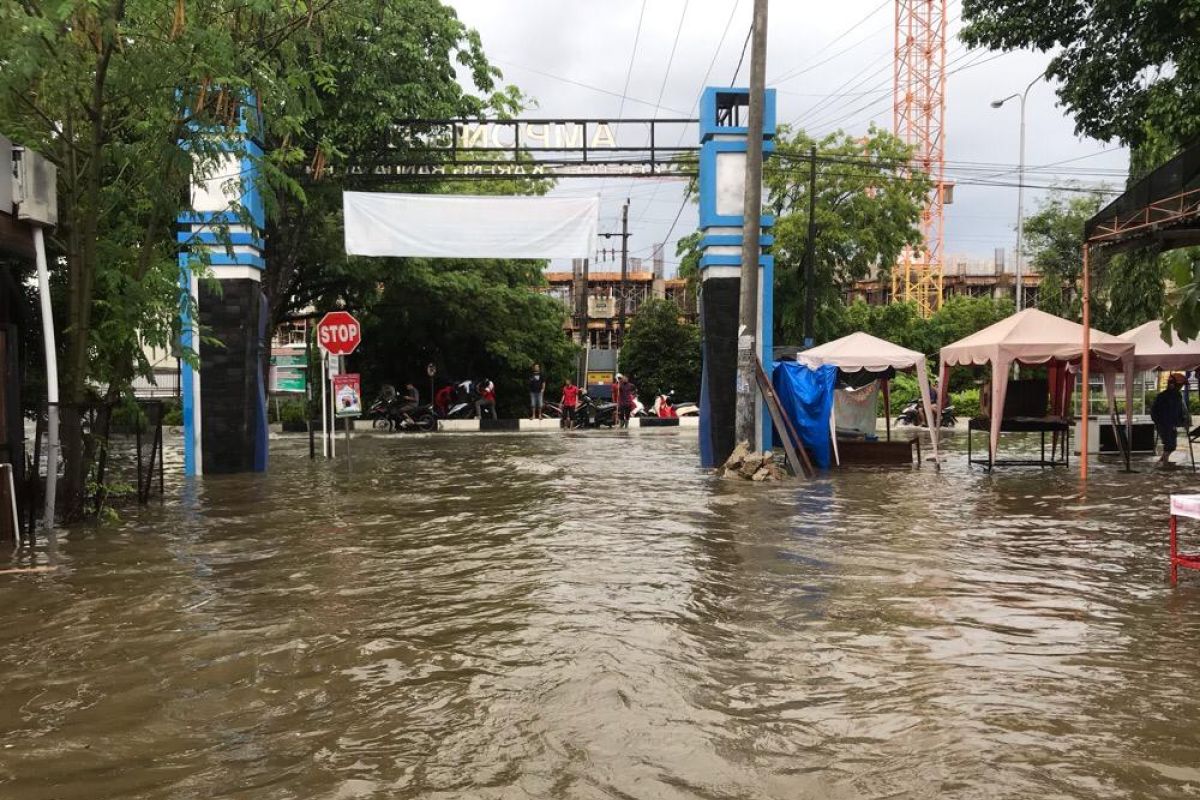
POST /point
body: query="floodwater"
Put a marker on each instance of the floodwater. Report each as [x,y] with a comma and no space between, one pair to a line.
[591,616]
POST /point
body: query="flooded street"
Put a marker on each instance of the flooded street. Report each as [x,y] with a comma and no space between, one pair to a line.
[593,616]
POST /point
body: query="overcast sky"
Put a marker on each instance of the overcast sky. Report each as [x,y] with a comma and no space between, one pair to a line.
[831,64]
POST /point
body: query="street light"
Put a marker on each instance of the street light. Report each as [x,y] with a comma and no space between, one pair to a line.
[1020,184]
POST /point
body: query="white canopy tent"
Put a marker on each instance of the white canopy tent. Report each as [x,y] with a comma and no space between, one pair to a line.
[1033,337]
[861,352]
[470,226]
[1152,351]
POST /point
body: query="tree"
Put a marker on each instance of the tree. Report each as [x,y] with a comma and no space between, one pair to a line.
[129,97]
[900,323]
[1054,244]
[121,95]
[867,207]
[959,317]
[1124,68]
[662,352]
[384,62]
[473,318]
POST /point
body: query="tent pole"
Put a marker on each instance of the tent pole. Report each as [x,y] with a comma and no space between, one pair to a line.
[887,408]
[1087,347]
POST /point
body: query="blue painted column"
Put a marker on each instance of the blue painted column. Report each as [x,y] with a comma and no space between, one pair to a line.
[224,400]
[723,136]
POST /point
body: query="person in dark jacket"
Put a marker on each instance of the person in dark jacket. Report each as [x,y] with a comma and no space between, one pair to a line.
[1169,414]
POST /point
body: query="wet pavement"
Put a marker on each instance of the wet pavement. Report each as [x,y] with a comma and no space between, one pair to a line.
[590,615]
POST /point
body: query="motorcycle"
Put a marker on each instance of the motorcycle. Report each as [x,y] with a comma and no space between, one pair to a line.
[591,413]
[423,419]
[463,404]
[914,414]
[380,414]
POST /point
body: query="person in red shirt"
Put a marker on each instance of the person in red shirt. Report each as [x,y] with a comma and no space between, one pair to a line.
[441,400]
[570,399]
[487,399]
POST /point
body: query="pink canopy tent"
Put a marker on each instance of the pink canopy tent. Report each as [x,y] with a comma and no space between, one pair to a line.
[1152,351]
[1033,337]
[860,352]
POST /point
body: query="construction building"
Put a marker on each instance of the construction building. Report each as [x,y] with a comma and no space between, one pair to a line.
[961,277]
[602,317]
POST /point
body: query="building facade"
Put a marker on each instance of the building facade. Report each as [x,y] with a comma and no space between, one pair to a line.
[598,323]
[962,277]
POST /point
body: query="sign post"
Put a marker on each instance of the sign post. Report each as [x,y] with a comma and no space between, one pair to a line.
[339,334]
[324,406]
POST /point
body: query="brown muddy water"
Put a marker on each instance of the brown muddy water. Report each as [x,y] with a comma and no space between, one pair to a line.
[592,616]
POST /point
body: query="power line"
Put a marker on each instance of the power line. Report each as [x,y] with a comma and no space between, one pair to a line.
[592,87]
[671,59]
[703,83]
[632,56]
[787,76]
[742,57]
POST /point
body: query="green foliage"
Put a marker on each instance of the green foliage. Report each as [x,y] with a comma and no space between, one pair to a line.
[1122,68]
[903,390]
[292,411]
[1054,245]
[662,352]
[902,324]
[866,212]
[966,403]
[472,318]
[959,317]
[381,63]
[173,416]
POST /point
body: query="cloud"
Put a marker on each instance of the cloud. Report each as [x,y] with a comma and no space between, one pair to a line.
[831,63]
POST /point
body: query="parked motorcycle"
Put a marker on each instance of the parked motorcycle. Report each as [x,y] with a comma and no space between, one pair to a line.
[914,414]
[380,414]
[591,413]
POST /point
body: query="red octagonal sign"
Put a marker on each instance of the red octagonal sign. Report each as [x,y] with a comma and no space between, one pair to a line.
[338,333]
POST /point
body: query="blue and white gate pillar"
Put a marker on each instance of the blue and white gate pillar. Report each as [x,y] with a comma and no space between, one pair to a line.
[722,186]
[224,401]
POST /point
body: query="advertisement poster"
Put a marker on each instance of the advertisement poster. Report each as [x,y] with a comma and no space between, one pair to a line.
[347,394]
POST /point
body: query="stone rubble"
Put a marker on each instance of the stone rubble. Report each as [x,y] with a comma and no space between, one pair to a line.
[747,465]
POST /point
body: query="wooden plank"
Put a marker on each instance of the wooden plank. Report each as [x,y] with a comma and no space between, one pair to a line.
[783,423]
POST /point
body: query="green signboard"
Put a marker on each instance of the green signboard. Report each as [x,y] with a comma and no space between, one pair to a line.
[297,360]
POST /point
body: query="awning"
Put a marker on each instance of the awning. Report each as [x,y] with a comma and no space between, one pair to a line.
[1035,337]
[1152,351]
[862,351]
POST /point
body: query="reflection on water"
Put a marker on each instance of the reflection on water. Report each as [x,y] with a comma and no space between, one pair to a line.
[590,615]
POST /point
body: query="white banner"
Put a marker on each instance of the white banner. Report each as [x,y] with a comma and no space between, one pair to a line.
[470,226]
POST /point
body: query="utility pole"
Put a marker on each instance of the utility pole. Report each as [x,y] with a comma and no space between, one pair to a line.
[810,248]
[624,272]
[747,394]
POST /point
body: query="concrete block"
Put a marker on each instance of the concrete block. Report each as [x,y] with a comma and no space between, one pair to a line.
[540,424]
[458,425]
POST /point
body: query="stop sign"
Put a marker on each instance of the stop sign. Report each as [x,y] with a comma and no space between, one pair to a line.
[338,333]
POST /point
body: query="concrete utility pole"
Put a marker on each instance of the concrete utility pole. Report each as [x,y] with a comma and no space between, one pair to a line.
[624,271]
[810,249]
[747,393]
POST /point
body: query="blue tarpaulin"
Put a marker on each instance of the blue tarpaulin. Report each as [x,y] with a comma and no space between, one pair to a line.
[806,395]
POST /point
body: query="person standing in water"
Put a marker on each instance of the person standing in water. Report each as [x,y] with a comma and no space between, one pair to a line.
[570,399]
[537,393]
[1168,414]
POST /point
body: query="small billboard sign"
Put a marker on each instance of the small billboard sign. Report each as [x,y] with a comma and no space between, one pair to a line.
[347,394]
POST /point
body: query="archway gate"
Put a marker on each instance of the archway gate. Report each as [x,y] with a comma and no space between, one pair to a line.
[464,149]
